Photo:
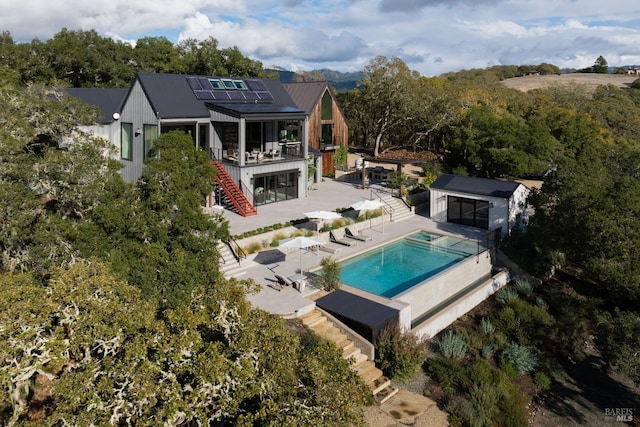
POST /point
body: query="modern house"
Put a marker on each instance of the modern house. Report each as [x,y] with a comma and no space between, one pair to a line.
[327,129]
[479,202]
[255,133]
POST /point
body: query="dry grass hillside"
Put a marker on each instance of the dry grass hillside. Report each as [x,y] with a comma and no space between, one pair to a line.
[590,80]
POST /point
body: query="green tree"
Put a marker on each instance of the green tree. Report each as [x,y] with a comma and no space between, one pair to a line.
[52,176]
[91,351]
[340,156]
[86,59]
[155,233]
[388,87]
[600,66]
[157,55]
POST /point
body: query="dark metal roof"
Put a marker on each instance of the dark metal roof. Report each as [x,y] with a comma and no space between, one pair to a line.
[262,110]
[474,185]
[108,100]
[359,309]
[306,95]
[171,96]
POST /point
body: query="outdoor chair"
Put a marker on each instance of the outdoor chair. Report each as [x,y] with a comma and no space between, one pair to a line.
[343,242]
[361,237]
[283,281]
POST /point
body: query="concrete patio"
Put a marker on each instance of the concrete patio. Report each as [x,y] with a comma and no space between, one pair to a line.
[327,195]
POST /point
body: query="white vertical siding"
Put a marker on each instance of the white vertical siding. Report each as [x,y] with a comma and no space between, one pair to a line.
[502,212]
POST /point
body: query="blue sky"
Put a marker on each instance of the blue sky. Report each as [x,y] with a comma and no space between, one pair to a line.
[431,36]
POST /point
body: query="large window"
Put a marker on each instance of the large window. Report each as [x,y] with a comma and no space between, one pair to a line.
[327,106]
[275,188]
[126,141]
[150,135]
[468,211]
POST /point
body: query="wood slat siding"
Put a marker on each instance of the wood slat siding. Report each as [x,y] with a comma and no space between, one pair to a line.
[136,106]
[340,132]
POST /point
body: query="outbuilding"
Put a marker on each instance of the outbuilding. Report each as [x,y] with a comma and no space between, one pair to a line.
[479,202]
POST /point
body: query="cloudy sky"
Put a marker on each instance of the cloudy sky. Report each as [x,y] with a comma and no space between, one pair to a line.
[430,36]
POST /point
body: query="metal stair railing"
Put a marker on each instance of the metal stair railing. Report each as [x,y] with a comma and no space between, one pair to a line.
[238,253]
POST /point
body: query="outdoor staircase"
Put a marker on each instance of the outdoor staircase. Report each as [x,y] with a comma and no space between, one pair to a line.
[380,385]
[399,210]
[228,264]
[233,193]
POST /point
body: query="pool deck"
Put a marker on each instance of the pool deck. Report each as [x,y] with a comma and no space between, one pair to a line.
[327,195]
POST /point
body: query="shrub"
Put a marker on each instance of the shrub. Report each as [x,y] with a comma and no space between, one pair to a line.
[478,372]
[275,242]
[330,274]
[473,338]
[540,302]
[484,399]
[487,351]
[253,247]
[447,372]
[460,411]
[523,286]
[399,355]
[506,295]
[452,345]
[486,326]
[542,381]
[521,357]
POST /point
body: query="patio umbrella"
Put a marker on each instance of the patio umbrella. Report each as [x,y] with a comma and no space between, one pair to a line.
[300,242]
[322,215]
[365,205]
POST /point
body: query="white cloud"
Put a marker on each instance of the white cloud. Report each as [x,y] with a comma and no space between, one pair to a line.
[431,36]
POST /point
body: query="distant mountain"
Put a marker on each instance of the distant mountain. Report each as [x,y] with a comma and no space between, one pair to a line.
[342,82]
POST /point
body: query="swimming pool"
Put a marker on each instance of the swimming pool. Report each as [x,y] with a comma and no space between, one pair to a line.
[397,266]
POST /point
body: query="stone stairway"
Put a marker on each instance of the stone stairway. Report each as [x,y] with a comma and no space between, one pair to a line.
[228,264]
[400,210]
[380,385]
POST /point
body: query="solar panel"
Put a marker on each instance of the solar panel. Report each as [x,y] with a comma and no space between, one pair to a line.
[250,95]
[194,83]
[236,95]
[205,83]
[265,96]
[221,96]
[256,85]
[203,94]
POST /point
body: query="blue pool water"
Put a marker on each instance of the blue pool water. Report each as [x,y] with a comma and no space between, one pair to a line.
[397,266]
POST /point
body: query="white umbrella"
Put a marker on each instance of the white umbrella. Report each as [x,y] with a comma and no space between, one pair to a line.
[322,215]
[365,205]
[300,242]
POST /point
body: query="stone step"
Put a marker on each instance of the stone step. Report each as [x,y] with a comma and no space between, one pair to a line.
[379,384]
[364,368]
[329,332]
[336,335]
[371,375]
[339,337]
[359,360]
[315,322]
[346,345]
[350,352]
[320,327]
[313,314]
[385,394]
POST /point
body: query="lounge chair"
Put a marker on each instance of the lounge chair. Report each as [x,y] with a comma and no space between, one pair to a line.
[283,281]
[361,237]
[343,242]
